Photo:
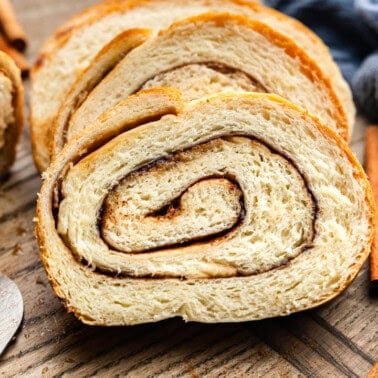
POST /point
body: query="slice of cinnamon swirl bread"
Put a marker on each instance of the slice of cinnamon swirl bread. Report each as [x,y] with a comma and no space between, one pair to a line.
[233,207]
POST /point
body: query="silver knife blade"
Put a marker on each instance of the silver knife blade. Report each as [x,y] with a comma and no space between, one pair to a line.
[11,310]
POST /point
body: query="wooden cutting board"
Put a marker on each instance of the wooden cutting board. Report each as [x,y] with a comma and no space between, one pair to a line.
[336,340]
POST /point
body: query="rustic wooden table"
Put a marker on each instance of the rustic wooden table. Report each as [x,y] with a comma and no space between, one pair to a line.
[336,340]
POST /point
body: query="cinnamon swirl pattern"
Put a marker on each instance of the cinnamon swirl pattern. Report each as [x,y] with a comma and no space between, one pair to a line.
[64,67]
[214,210]
[11,111]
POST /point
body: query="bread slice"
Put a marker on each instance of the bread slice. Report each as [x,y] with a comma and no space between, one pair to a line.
[235,207]
[11,111]
[69,51]
[201,55]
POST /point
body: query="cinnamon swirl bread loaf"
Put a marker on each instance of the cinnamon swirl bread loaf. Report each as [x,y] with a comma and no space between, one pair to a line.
[67,54]
[233,207]
[11,111]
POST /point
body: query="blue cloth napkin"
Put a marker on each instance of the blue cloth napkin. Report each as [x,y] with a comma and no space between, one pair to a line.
[350,29]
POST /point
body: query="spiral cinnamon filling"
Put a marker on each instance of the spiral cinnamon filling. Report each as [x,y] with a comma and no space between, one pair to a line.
[143,232]
[230,206]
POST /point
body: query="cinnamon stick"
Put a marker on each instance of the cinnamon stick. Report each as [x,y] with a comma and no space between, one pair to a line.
[15,55]
[371,162]
[11,27]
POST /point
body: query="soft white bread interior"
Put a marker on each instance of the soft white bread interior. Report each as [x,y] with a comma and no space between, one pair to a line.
[234,207]
[69,51]
[11,111]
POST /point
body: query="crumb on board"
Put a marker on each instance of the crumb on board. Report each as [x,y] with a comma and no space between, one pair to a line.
[17,250]
[40,281]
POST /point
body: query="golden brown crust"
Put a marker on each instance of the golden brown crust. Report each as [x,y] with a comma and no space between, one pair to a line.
[94,137]
[38,138]
[13,131]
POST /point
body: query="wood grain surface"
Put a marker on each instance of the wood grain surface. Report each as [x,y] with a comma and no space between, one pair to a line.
[338,339]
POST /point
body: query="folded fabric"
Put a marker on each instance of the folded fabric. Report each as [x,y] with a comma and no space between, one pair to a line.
[350,29]
[365,81]
[365,87]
